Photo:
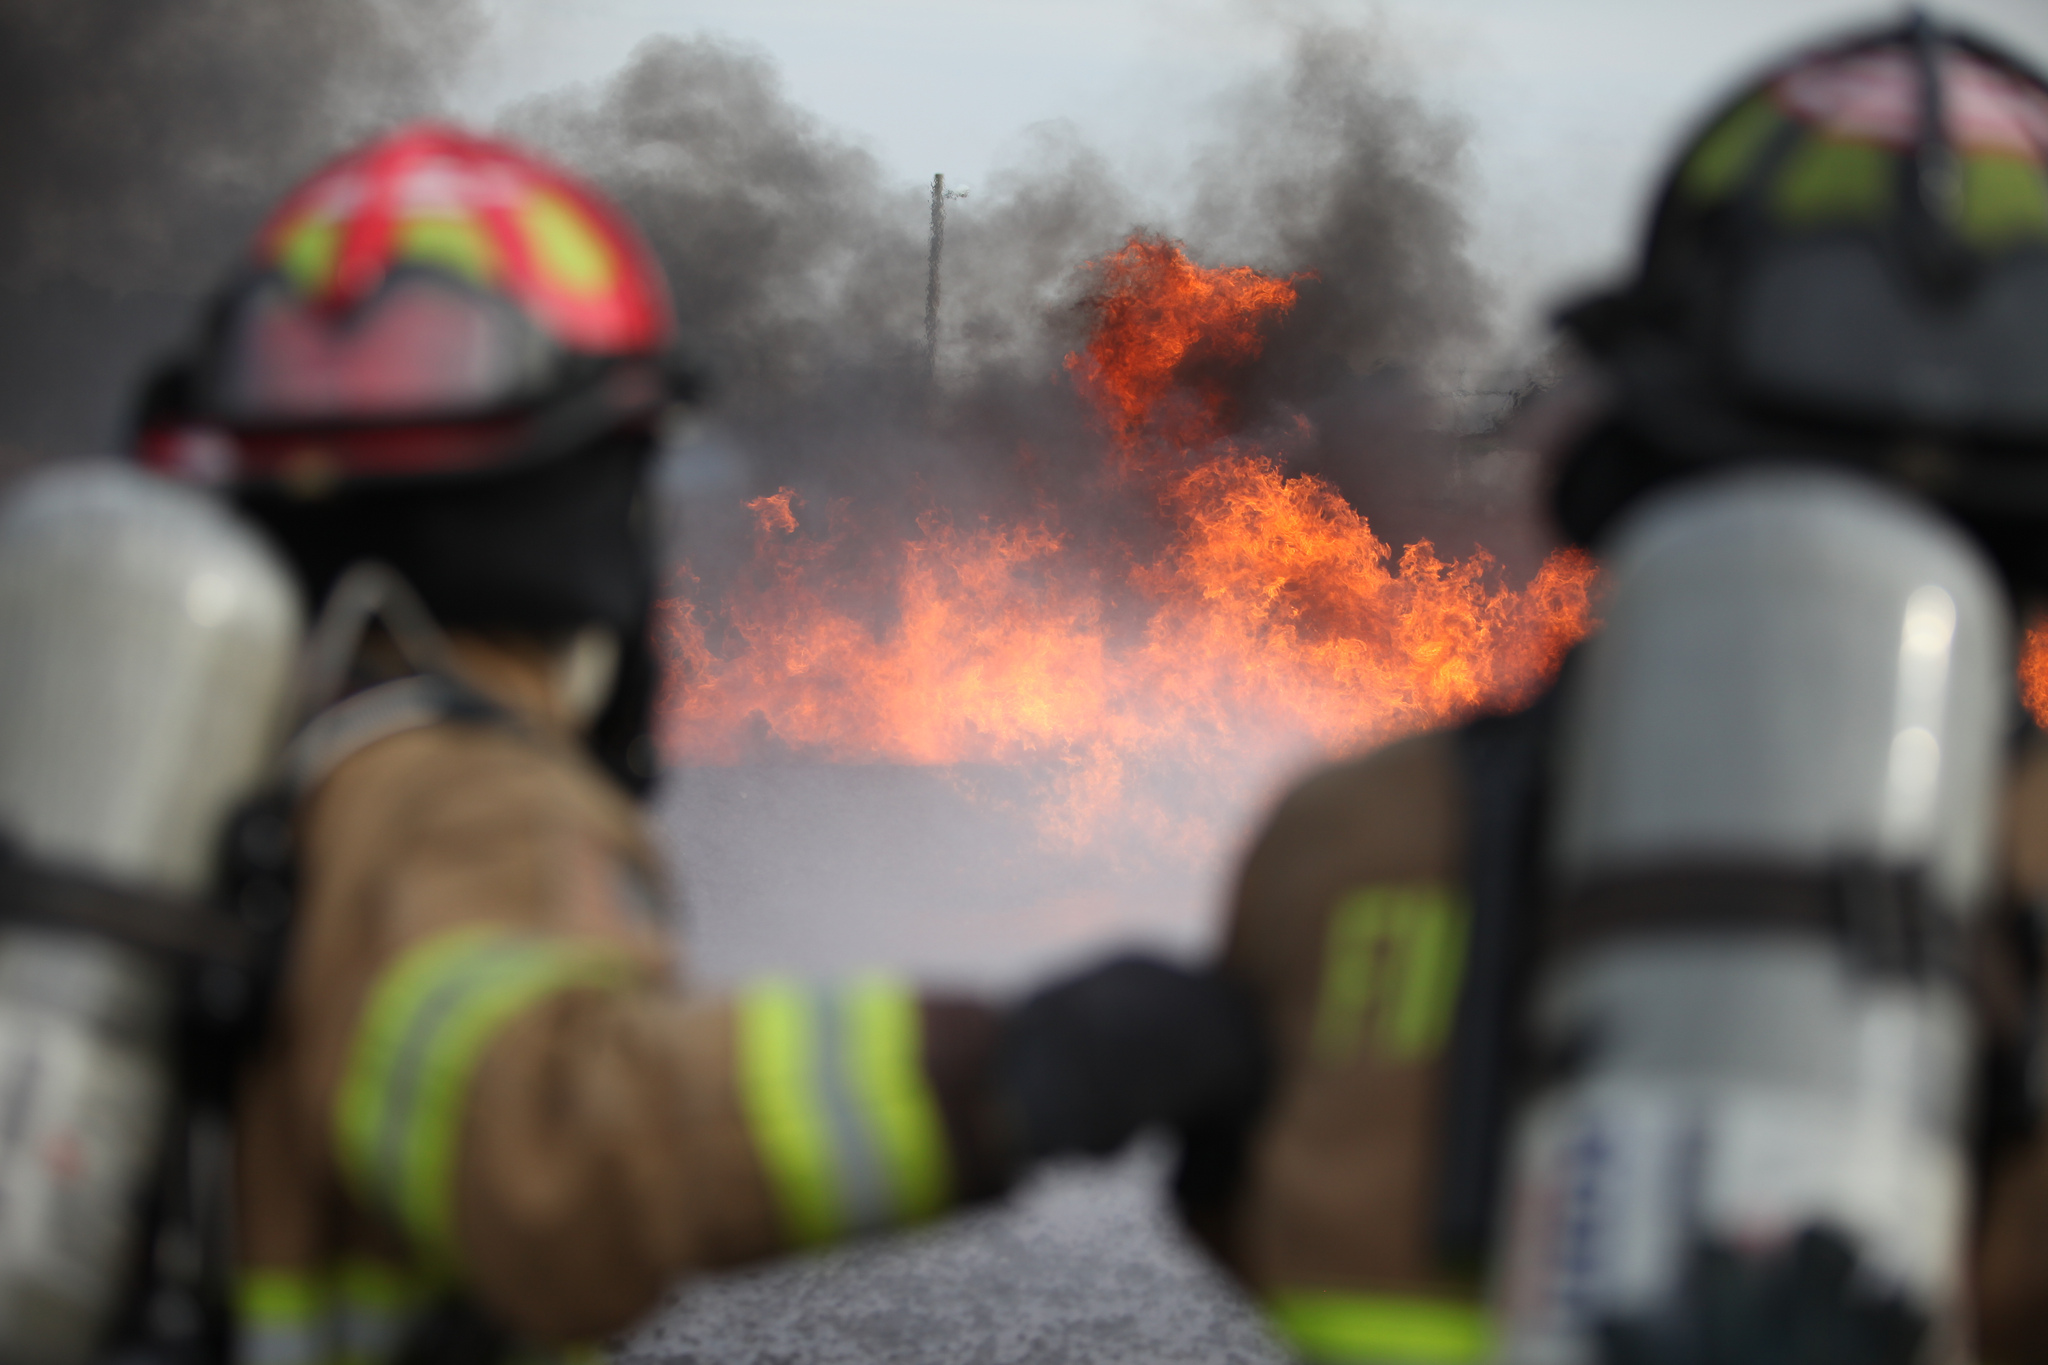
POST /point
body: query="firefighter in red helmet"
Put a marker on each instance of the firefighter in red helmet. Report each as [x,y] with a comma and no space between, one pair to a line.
[481,1111]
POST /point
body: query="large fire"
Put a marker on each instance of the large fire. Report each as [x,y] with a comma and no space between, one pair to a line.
[1152,687]
[2033,671]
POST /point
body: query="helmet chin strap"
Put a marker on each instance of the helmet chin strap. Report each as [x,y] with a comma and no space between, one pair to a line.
[585,670]
[367,591]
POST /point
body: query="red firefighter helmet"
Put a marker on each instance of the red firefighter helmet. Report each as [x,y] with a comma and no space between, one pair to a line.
[431,304]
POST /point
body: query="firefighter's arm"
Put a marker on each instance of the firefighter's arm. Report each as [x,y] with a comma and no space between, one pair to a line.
[516,1086]
[1261,1069]
[615,1140]
[521,1092]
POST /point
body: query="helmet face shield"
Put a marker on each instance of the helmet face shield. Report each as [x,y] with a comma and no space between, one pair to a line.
[422,347]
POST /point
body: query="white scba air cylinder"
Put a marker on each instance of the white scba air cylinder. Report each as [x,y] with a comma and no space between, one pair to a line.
[1802,688]
[147,639]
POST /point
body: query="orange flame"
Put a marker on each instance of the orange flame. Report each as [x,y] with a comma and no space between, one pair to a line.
[2033,670]
[1273,622]
[1155,311]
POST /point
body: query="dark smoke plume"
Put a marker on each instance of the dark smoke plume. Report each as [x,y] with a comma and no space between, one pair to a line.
[799,271]
[798,274]
[140,144]
[1330,168]
[142,140]
[1332,171]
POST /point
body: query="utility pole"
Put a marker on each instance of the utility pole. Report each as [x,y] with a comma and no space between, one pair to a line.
[940,194]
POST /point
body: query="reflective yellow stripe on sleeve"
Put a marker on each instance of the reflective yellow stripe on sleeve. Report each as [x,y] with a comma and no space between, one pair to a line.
[354,1312]
[429,1017]
[281,1319]
[1370,1329]
[832,1083]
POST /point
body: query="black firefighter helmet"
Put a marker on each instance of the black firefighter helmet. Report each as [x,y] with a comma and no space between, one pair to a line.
[1849,265]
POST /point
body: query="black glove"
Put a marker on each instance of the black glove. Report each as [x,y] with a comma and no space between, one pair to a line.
[1085,1065]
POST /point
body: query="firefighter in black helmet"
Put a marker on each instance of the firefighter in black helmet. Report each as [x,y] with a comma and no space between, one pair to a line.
[1847,273]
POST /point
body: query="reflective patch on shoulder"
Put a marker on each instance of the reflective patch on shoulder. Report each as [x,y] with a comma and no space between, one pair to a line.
[1393,955]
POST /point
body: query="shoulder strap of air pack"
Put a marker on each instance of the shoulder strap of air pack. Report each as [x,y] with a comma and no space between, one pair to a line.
[229,990]
[258,875]
[1503,760]
[376,713]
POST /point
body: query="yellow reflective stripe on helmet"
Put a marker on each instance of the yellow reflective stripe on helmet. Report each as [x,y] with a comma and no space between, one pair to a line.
[566,246]
[1370,1329]
[307,251]
[2005,200]
[429,1017]
[832,1083]
[1726,154]
[457,244]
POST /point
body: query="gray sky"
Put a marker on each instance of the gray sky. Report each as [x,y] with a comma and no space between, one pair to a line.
[1570,104]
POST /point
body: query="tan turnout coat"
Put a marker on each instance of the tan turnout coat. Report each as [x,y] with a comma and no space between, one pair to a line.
[484,1075]
[1338,1202]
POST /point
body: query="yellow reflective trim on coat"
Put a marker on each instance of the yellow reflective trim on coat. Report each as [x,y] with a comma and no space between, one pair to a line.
[887,1046]
[356,1312]
[428,1020]
[379,1284]
[282,1319]
[558,1355]
[832,1083]
[279,1296]
[776,1066]
[1329,1328]
[1392,959]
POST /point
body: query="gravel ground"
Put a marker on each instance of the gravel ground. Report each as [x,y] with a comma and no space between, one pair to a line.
[1086,1265]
